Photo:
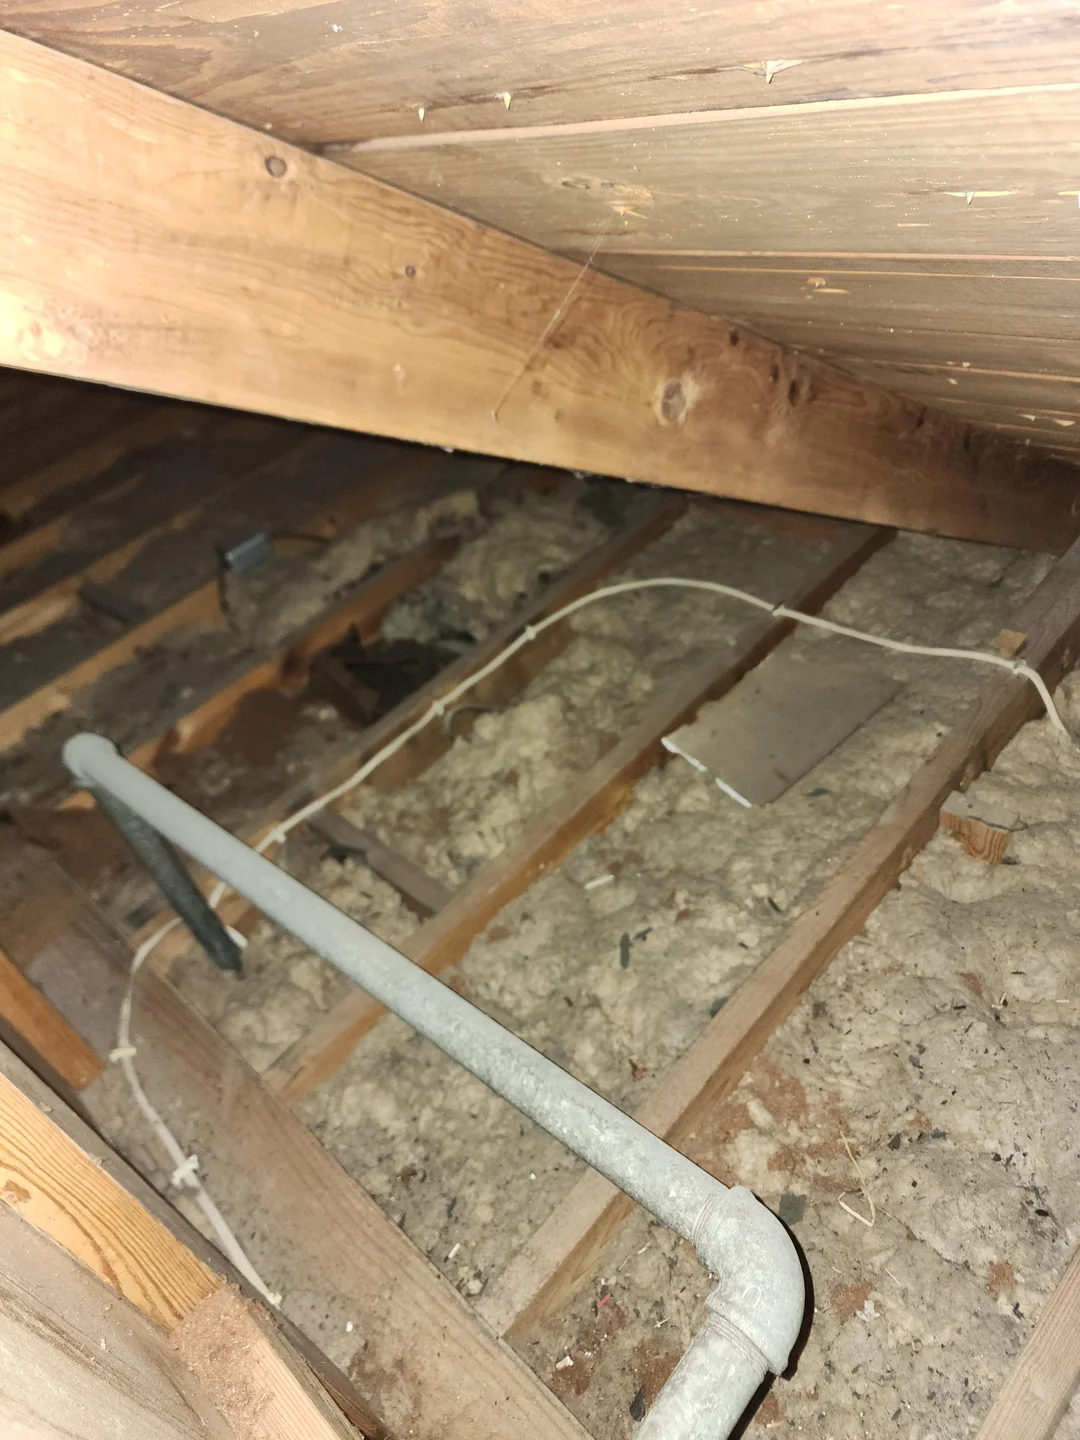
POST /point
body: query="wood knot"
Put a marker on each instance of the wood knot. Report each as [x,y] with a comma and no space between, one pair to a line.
[673,402]
[674,399]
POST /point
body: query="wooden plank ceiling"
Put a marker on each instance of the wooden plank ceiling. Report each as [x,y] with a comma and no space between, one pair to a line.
[894,187]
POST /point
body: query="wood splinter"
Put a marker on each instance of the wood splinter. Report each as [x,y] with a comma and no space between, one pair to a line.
[1010,643]
[983,831]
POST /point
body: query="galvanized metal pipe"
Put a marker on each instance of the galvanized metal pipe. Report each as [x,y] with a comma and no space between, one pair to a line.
[758,1305]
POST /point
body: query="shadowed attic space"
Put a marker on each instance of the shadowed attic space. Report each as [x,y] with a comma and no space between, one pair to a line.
[595,511]
[540,851]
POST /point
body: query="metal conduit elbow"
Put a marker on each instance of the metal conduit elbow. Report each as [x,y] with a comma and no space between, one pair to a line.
[752,1323]
[755,1312]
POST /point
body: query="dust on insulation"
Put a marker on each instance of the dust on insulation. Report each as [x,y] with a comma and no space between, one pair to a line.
[917,1318]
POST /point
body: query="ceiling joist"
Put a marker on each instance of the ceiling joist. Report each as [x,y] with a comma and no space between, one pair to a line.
[147,243]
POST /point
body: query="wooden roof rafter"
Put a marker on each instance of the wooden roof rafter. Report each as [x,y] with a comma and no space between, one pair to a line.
[177,251]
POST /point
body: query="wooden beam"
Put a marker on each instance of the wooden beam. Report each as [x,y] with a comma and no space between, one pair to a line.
[50,1182]
[418,889]
[258,1384]
[38,1092]
[663,174]
[79,1364]
[27,1011]
[147,242]
[161,422]
[1036,1395]
[561,1252]
[202,608]
[428,1365]
[589,803]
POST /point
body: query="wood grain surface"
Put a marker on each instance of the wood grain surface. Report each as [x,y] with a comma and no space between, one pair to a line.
[352,70]
[167,254]
[48,1180]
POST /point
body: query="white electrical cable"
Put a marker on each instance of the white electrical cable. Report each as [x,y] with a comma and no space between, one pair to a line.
[530,632]
[184,1166]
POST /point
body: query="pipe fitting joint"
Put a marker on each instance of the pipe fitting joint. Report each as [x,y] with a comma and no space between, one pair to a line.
[760,1289]
[755,1313]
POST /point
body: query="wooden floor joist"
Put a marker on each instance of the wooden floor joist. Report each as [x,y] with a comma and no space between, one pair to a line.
[34,544]
[428,1365]
[201,727]
[72,508]
[62,1180]
[406,480]
[562,1251]
[1036,1395]
[89,418]
[36,608]
[420,890]
[26,1011]
[147,242]
[57,601]
[188,1244]
[202,608]
[161,422]
[590,802]
[651,521]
